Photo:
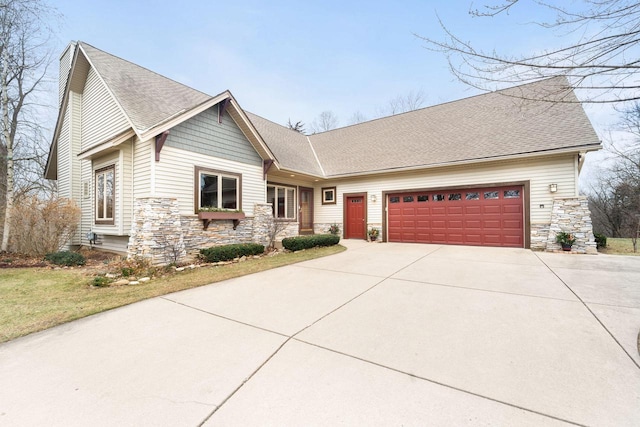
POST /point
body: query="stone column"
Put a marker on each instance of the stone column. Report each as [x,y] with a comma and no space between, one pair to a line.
[156,231]
[572,215]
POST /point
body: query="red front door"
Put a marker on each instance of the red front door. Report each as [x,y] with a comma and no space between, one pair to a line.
[355,223]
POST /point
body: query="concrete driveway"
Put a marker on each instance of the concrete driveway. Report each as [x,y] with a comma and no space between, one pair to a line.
[382,334]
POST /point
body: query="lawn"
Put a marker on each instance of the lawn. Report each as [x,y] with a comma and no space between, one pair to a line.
[617,246]
[33,299]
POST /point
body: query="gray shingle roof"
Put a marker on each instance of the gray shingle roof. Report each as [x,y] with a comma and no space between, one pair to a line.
[486,126]
[291,149]
[146,97]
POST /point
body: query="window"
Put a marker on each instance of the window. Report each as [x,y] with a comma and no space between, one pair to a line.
[491,195]
[217,189]
[283,201]
[329,196]
[394,199]
[511,194]
[423,198]
[105,195]
[455,196]
[473,196]
[438,197]
[407,199]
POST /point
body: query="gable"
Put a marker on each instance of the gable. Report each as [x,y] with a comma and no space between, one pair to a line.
[203,134]
[101,117]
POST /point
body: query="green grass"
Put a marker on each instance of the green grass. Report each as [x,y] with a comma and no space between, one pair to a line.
[34,299]
[617,246]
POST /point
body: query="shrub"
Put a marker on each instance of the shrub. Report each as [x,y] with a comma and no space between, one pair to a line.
[67,258]
[229,252]
[39,227]
[305,242]
[101,281]
[334,229]
[601,240]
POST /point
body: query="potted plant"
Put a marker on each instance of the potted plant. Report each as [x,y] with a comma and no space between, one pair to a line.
[566,240]
[334,229]
[373,234]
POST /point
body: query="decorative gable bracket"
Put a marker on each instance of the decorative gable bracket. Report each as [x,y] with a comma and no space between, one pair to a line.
[160,139]
[222,107]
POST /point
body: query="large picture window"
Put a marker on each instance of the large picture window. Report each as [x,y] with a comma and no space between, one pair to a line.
[283,201]
[217,189]
[105,195]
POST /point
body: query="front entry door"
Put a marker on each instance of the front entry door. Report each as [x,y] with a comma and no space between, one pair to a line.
[306,210]
[355,221]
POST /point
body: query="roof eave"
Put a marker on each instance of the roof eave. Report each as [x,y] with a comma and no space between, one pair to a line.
[566,150]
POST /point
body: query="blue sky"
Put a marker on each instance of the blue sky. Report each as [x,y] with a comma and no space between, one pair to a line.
[292,60]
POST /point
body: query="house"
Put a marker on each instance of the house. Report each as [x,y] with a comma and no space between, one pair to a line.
[144,155]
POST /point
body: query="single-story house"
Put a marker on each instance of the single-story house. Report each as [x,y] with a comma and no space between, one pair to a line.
[159,169]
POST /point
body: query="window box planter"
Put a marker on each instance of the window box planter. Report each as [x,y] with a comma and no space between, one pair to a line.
[207,217]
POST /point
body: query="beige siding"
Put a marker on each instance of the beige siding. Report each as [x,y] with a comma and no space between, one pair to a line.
[86,201]
[174,177]
[64,158]
[126,188]
[101,117]
[142,159]
[540,172]
[65,66]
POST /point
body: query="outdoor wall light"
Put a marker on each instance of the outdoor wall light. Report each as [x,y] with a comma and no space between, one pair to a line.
[553,188]
[373,198]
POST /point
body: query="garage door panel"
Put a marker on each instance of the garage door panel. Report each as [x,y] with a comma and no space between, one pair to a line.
[478,216]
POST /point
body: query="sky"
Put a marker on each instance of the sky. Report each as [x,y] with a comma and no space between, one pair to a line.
[291,60]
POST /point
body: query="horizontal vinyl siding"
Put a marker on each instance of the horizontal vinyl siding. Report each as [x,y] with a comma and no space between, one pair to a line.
[64,158]
[174,177]
[75,142]
[540,172]
[126,187]
[65,66]
[142,158]
[203,134]
[86,202]
[101,117]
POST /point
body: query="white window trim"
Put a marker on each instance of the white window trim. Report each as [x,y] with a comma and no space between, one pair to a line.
[220,174]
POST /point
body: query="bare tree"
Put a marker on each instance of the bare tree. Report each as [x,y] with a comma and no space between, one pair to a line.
[600,59]
[357,117]
[24,33]
[403,103]
[615,198]
[297,126]
[327,120]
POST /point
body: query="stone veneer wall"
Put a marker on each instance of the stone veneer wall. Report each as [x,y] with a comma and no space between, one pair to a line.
[539,236]
[156,231]
[161,234]
[571,215]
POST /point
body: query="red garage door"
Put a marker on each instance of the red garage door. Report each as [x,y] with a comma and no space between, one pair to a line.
[491,216]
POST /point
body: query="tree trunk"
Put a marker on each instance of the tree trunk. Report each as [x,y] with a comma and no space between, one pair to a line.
[9,149]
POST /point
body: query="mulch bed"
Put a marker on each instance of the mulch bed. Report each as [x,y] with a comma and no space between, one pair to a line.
[94,258]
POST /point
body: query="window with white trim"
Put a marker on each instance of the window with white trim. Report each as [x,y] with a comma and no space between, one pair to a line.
[218,189]
[105,195]
[283,201]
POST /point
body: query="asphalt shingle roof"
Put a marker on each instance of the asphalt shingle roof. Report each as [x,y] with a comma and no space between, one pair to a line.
[291,149]
[488,126]
[146,97]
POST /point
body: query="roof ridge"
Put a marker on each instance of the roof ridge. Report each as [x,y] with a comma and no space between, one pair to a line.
[443,103]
